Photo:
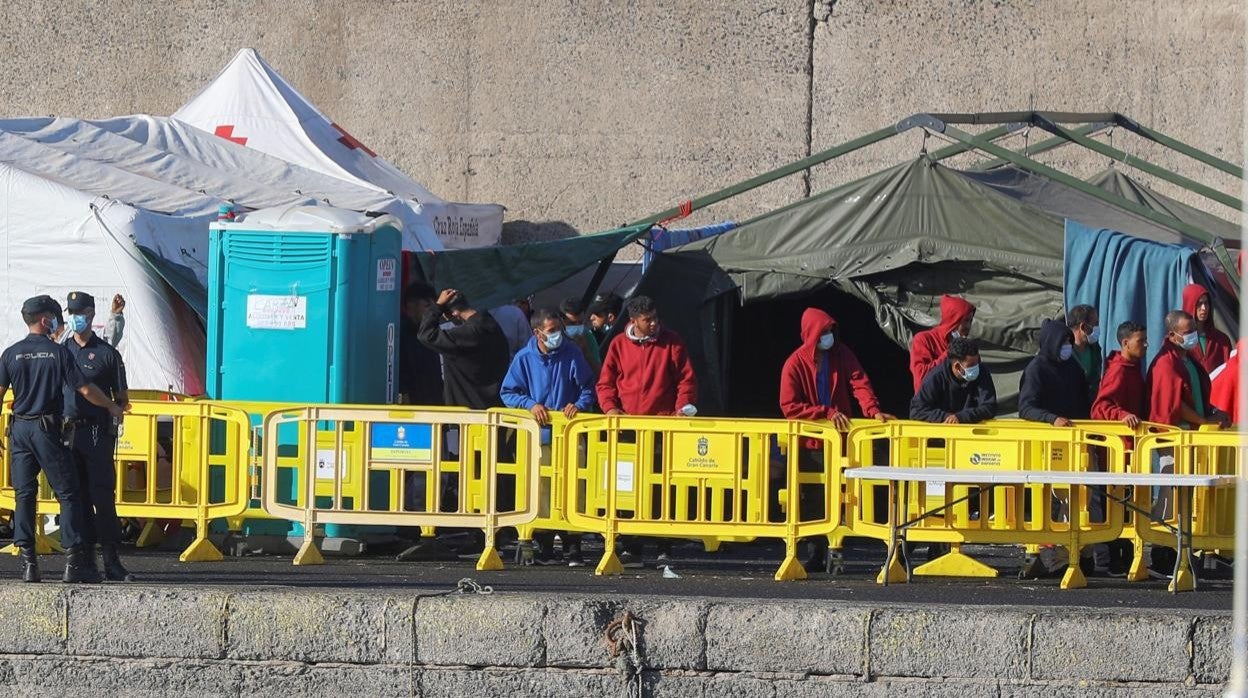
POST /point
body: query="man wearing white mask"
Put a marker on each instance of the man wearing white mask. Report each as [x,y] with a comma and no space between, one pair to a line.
[1054,389]
[1179,387]
[1085,324]
[818,379]
[959,391]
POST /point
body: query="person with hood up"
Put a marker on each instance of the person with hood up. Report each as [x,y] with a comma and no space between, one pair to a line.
[1224,392]
[927,349]
[1213,347]
[819,377]
[1123,394]
[1054,389]
[959,391]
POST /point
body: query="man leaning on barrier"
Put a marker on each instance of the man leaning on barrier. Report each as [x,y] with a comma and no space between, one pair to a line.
[647,371]
[959,391]
[38,370]
[550,374]
[92,434]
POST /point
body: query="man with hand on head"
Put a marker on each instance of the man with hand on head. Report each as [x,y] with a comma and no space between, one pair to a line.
[959,391]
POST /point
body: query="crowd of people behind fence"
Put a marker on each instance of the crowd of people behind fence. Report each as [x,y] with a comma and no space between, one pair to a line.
[574,359]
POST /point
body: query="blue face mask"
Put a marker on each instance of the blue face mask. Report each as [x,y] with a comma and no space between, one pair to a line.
[77,323]
[1190,340]
[970,373]
[575,330]
[552,341]
[1066,352]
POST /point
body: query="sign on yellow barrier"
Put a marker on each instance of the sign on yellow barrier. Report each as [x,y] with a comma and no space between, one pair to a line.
[702,478]
[191,463]
[389,466]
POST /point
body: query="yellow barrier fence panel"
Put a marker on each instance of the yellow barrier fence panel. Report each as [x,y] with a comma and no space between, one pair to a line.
[957,513]
[1210,510]
[702,478]
[392,466]
[170,467]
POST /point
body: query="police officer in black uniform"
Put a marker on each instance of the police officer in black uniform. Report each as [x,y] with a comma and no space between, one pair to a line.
[93,434]
[38,369]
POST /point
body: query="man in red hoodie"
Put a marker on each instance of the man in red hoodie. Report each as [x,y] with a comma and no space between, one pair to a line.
[928,347]
[1225,388]
[1123,392]
[646,371]
[1179,386]
[819,377]
[1213,347]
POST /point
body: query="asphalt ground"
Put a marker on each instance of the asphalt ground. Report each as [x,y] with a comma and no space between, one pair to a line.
[735,571]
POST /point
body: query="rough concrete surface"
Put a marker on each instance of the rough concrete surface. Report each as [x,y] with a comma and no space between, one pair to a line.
[331,642]
[582,115]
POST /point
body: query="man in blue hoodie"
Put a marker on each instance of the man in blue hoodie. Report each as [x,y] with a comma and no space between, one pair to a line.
[550,373]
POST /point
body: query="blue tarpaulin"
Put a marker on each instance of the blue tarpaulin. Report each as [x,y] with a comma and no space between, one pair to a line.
[660,239]
[1125,278]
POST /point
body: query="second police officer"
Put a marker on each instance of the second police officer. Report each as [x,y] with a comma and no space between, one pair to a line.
[39,370]
[92,434]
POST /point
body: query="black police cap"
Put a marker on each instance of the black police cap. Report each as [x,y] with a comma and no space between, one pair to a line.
[79,301]
[41,304]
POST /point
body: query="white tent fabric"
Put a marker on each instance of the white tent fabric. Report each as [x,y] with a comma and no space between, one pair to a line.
[251,104]
[55,239]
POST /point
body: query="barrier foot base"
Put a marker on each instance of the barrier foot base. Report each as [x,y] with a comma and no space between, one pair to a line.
[309,554]
[489,560]
[711,545]
[44,545]
[1074,579]
[1184,580]
[153,534]
[955,564]
[790,570]
[1139,570]
[892,573]
[201,550]
[9,549]
[609,565]
[428,531]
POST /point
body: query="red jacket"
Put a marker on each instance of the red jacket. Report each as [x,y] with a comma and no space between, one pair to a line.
[928,347]
[1225,380]
[652,378]
[1217,344]
[799,388]
[1170,385]
[1123,390]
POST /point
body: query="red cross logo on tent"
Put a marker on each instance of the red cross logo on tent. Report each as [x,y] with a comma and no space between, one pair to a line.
[349,141]
[226,131]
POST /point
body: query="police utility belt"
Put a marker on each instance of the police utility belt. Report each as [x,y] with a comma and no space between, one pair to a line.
[50,423]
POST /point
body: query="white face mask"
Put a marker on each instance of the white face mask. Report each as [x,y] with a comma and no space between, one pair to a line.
[955,335]
[553,340]
[826,341]
[1094,337]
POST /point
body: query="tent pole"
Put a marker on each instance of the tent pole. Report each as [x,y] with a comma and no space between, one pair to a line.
[1181,147]
[1142,165]
[599,274]
[1108,197]
[1043,146]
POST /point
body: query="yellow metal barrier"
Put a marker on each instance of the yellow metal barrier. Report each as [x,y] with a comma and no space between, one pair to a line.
[470,477]
[205,446]
[1211,509]
[699,478]
[960,513]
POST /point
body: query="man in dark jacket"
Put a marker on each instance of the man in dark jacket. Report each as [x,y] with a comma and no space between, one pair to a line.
[1054,390]
[959,391]
[1085,325]
[474,352]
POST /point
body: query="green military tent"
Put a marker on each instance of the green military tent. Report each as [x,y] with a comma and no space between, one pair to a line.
[877,254]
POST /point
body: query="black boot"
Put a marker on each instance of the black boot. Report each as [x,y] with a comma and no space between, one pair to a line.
[80,566]
[30,565]
[114,571]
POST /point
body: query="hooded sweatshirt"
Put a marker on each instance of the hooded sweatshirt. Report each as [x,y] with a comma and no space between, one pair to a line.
[801,396]
[1214,347]
[944,394]
[1170,385]
[553,380]
[1225,384]
[653,377]
[1122,392]
[1053,388]
[928,347]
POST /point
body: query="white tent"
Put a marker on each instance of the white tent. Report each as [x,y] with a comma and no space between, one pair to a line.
[251,104]
[123,206]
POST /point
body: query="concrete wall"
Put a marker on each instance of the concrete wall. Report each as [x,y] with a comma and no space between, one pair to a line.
[590,113]
[137,641]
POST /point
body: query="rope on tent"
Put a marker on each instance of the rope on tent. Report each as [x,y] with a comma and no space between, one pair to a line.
[684,208]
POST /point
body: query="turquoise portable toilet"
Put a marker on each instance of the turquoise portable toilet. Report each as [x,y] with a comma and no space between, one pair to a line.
[303,306]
